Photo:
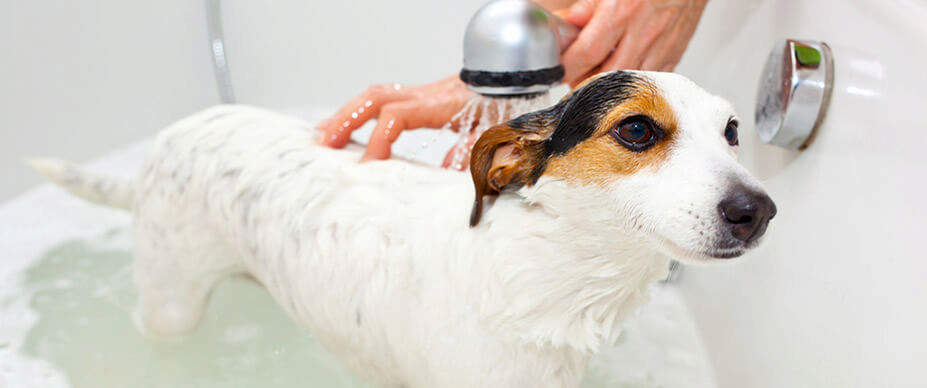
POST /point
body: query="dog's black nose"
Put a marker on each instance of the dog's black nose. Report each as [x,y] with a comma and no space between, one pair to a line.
[747,213]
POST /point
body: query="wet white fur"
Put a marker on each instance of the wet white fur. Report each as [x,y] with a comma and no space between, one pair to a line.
[377,261]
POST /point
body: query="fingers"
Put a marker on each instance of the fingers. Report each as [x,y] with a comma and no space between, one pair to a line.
[662,53]
[449,157]
[336,131]
[387,130]
[635,45]
[666,52]
[399,116]
[594,43]
[661,56]
[579,13]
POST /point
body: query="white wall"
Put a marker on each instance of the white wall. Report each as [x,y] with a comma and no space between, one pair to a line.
[288,53]
[78,78]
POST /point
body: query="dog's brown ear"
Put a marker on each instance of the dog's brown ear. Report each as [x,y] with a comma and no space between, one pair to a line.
[513,154]
[503,157]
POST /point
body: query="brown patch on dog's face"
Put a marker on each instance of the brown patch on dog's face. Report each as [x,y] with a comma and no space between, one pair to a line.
[579,139]
[603,157]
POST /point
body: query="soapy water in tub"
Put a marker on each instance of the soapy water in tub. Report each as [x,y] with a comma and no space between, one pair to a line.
[65,316]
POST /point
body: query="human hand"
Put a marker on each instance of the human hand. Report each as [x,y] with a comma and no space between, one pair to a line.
[443,104]
[628,34]
[396,108]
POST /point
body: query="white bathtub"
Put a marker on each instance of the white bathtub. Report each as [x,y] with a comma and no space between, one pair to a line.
[837,297]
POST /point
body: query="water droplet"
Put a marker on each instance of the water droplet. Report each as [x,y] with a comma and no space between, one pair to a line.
[346,124]
[478,115]
[368,103]
[354,115]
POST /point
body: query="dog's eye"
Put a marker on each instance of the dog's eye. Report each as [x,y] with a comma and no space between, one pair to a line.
[636,133]
[730,133]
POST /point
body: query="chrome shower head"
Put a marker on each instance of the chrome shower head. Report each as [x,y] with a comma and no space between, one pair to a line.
[512,48]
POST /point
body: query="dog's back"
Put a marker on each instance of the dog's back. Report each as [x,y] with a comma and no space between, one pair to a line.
[352,251]
[242,190]
[241,166]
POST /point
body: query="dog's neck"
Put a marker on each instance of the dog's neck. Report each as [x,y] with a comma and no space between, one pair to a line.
[557,280]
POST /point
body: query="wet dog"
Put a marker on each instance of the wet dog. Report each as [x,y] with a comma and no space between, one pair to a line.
[573,211]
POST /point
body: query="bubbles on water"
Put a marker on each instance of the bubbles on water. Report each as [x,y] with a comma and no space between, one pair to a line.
[242,333]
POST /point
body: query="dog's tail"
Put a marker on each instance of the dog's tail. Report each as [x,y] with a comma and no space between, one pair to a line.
[101,190]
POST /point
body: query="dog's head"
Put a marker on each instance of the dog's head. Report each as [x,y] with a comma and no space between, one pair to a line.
[653,151]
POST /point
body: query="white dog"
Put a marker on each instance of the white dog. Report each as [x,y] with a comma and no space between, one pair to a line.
[578,208]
